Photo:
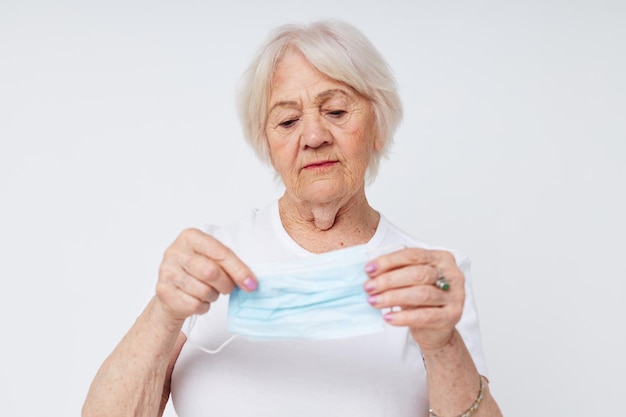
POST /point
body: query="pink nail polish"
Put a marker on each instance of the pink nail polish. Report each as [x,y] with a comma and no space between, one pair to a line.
[370,267]
[370,286]
[250,284]
[387,316]
[372,299]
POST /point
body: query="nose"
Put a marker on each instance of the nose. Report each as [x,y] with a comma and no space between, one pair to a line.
[314,132]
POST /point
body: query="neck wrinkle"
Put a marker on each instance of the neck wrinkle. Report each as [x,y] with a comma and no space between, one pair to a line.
[324,228]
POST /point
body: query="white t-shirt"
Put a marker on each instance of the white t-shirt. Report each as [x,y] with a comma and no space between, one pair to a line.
[380,374]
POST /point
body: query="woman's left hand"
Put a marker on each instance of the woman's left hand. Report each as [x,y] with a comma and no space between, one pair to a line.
[407,279]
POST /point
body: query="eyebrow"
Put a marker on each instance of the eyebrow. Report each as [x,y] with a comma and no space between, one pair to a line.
[321,97]
[325,95]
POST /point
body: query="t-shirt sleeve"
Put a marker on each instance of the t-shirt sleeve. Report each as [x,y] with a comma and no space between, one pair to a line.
[468,326]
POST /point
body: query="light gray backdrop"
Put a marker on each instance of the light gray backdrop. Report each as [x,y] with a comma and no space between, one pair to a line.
[117,130]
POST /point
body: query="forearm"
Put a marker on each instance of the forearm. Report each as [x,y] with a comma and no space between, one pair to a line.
[454,381]
[131,379]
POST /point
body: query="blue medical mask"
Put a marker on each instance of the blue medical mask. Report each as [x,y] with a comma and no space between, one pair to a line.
[319,297]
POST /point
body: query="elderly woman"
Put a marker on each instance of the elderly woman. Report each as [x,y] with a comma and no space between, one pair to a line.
[319,103]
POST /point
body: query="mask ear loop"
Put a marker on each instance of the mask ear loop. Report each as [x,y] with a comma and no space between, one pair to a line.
[192,323]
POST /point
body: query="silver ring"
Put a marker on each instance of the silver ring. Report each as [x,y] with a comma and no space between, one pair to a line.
[442,283]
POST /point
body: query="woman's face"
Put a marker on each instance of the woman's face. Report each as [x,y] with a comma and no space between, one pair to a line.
[321,133]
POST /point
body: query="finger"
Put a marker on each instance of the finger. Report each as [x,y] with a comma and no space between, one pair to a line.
[399,259]
[431,328]
[177,303]
[426,318]
[175,279]
[196,288]
[412,297]
[385,271]
[402,277]
[213,249]
[409,256]
[207,272]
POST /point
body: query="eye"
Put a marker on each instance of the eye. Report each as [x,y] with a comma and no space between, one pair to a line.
[336,113]
[288,123]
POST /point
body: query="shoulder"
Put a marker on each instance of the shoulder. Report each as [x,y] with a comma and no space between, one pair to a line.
[394,235]
[254,237]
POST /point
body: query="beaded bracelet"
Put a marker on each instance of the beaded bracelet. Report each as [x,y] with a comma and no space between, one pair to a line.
[474,406]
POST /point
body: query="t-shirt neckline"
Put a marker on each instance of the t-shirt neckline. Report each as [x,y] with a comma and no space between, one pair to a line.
[293,246]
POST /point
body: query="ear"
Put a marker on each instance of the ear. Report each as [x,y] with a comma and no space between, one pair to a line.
[379,143]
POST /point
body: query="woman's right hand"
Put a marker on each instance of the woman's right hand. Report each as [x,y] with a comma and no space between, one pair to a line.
[195,270]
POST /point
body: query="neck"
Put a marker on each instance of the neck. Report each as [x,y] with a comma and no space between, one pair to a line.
[328,226]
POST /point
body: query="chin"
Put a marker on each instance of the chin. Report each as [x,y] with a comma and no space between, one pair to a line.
[324,191]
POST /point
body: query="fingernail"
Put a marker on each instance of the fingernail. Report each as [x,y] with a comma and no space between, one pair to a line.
[369,286]
[387,316]
[250,284]
[372,299]
[370,267]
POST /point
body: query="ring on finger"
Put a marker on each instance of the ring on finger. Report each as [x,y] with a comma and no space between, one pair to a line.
[442,283]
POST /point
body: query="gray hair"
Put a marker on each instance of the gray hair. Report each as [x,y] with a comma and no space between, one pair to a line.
[336,49]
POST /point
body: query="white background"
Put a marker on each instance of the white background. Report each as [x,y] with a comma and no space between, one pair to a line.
[118,129]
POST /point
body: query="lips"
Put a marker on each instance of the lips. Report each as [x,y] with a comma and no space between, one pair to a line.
[320,164]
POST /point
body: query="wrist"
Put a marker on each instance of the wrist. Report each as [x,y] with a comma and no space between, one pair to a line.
[162,317]
[438,347]
[453,380]
[474,406]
